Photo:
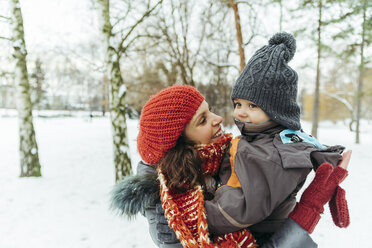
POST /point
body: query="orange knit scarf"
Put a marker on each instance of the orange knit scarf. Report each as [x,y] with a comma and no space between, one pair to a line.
[212,154]
[186,213]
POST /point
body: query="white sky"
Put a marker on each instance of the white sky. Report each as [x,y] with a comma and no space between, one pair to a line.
[50,23]
[62,25]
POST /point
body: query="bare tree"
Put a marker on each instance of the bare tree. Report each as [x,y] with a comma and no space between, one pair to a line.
[314,129]
[177,39]
[239,35]
[118,89]
[361,70]
[38,84]
[317,5]
[354,25]
[30,165]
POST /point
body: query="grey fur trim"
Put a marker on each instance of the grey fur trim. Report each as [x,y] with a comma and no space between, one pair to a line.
[134,194]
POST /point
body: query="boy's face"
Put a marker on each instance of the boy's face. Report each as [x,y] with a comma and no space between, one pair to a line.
[247,111]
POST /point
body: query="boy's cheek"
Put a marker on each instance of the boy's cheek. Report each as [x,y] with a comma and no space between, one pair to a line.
[235,114]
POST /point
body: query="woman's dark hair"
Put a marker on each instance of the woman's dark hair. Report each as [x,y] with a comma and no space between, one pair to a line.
[182,166]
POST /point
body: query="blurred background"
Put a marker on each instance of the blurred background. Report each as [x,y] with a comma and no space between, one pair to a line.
[74,76]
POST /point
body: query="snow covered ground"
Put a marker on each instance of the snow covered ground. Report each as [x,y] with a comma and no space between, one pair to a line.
[69,206]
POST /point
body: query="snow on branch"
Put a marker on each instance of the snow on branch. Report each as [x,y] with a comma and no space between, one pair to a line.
[339,98]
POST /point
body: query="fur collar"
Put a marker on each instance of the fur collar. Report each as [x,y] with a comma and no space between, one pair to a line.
[135,193]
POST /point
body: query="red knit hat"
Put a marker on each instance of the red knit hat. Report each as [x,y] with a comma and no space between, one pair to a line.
[163,118]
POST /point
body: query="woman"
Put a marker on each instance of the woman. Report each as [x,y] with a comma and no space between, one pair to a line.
[173,125]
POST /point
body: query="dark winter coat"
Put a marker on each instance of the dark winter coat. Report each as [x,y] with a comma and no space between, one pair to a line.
[260,177]
[139,193]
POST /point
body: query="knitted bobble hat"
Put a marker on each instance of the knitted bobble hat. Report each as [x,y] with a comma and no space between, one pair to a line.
[269,82]
[163,118]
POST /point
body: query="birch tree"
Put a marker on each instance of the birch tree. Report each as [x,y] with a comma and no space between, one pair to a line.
[29,158]
[116,47]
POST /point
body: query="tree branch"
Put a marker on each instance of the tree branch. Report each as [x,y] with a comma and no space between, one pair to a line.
[224,65]
[5,17]
[120,47]
[122,18]
[5,38]
[340,99]
[130,42]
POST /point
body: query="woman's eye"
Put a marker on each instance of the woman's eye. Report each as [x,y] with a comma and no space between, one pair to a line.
[203,120]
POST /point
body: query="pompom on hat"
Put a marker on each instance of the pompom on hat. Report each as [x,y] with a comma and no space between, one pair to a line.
[163,118]
[268,81]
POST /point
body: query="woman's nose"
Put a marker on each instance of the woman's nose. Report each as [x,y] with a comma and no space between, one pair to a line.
[217,120]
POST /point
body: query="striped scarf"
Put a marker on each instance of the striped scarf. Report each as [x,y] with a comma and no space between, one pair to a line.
[186,214]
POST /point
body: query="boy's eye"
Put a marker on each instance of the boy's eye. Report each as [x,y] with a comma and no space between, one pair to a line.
[251,105]
[237,104]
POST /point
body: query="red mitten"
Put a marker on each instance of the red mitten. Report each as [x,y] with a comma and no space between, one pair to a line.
[339,209]
[317,194]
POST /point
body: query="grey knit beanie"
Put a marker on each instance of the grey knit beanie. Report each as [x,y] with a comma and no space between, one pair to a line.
[269,82]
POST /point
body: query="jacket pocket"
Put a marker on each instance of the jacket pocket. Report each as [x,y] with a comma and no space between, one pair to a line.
[294,155]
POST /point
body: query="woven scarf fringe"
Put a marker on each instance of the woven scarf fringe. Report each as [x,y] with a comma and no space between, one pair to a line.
[174,216]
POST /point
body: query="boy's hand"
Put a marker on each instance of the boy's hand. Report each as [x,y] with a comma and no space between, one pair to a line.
[346,156]
[338,204]
[318,193]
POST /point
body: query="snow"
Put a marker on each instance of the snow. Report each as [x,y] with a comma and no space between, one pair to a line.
[122,90]
[69,205]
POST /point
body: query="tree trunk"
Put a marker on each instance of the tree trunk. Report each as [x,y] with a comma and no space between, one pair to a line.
[361,70]
[281,15]
[28,149]
[117,96]
[314,130]
[239,36]
[105,95]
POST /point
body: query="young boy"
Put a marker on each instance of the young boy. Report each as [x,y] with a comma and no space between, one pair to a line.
[267,165]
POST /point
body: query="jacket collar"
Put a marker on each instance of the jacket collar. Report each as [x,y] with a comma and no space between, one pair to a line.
[252,130]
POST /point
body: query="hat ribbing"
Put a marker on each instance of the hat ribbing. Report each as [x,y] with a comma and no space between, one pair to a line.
[269,82]
[163,119]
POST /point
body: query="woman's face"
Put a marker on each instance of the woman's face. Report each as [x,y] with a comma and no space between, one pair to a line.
[205,126]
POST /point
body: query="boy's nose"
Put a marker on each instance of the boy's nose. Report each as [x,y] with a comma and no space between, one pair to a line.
[242,113]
